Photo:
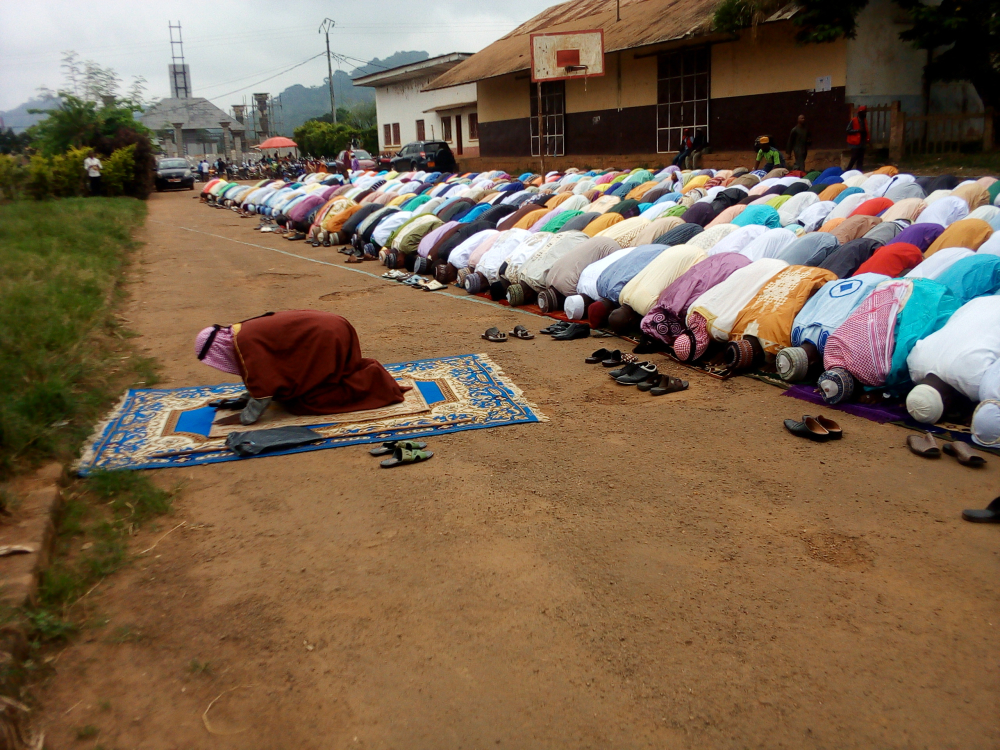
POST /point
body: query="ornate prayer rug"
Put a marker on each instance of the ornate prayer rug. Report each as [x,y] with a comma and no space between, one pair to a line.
[159,428]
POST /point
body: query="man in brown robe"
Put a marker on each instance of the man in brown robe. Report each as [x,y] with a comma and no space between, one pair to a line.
[310,361]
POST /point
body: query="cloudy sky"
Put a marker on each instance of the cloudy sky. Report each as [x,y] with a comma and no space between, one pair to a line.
[233,46]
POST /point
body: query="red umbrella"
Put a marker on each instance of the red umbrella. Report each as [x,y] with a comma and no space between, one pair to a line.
[278,142]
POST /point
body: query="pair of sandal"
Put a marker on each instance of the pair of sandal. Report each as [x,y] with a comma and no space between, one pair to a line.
[662,385]
[498,337]
[926,446]
[609,358]
[403,452]
[820,429]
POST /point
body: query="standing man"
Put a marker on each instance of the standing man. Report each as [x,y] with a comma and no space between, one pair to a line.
[203,168]
[858,138]
[798,144]
[92,165]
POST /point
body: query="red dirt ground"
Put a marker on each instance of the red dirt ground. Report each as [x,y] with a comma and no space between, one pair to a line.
[676,572]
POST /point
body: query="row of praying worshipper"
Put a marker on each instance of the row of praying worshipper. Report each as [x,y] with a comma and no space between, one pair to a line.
[832,277]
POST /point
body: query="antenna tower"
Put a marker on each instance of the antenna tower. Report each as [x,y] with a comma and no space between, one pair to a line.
[180,80]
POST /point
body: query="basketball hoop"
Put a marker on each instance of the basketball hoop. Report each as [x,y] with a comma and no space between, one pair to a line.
[560,56]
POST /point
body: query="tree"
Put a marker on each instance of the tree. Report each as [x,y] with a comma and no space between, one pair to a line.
[969,29]
[13,143]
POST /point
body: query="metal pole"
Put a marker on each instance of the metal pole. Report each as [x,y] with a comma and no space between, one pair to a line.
[325,28]
[541,131]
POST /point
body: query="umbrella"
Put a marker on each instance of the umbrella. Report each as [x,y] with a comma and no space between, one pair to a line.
[278,142]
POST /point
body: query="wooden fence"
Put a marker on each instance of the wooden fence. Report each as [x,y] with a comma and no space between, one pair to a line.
[907,135]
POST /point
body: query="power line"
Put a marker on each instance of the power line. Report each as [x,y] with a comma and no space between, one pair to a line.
[253,85]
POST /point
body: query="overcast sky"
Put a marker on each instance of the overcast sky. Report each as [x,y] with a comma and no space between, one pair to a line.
[232,46]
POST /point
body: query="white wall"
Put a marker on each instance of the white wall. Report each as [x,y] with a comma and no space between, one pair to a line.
[880,66]
[404,103]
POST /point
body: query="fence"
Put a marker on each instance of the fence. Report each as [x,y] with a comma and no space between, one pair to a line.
[942,134]
[908,135]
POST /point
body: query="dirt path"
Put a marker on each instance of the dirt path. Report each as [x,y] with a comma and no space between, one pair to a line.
[672,573]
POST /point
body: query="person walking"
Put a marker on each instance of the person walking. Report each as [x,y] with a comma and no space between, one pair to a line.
[92,165]
[858,138]
[798,144]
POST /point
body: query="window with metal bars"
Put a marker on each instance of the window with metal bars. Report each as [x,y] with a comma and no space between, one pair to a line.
[421,135]
[446,128]
[387,135]
[682,96]
[395,133]
[553,118]
[474,126]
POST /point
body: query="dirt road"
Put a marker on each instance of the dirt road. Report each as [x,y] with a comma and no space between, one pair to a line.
[676,572]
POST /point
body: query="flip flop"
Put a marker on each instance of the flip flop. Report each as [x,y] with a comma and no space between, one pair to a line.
[614,359]
[599,356]
[433,286]
[924,445]
[989,514]
[669,384]
[495,335]
[390,447]
[402,456]
[520,332]
[964,454]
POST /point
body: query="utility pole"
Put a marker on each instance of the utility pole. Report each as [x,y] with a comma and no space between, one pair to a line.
[324,28]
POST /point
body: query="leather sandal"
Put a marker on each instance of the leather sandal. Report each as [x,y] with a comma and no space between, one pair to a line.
[495,335]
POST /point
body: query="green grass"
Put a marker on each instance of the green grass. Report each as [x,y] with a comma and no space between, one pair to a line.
[99,515]
[60,346]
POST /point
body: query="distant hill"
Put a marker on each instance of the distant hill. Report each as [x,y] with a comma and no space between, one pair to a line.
[300,103]
[20,119]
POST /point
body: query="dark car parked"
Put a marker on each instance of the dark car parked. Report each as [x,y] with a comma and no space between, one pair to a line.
[174,173]
[426,155]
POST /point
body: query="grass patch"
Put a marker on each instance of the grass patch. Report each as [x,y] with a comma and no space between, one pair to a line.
[86,733]
[100,513]
[60,346]
[195,666]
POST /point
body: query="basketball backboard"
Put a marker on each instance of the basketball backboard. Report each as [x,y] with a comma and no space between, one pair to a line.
[561,55]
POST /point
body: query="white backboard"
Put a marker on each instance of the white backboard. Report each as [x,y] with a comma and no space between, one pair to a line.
[567,54]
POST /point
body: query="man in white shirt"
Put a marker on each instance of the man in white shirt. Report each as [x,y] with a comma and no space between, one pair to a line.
[203,168]
[93,167]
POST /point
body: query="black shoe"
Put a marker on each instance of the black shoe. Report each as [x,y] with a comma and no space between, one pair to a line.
[573,331]
[559,327]
[808,428]
[645,371]
[630,369]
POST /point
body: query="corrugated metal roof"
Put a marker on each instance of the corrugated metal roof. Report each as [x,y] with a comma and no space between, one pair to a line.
[643,22]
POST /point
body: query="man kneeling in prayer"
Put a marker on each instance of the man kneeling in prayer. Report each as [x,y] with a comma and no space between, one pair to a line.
[308,361]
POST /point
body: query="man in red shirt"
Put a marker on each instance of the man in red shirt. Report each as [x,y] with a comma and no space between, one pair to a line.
[858,138]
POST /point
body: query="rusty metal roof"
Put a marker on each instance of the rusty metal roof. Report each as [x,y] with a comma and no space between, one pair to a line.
[644,22]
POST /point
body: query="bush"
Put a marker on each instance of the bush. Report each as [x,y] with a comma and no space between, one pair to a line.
[12,176]
[119,171]
[39,179]
[68,173]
